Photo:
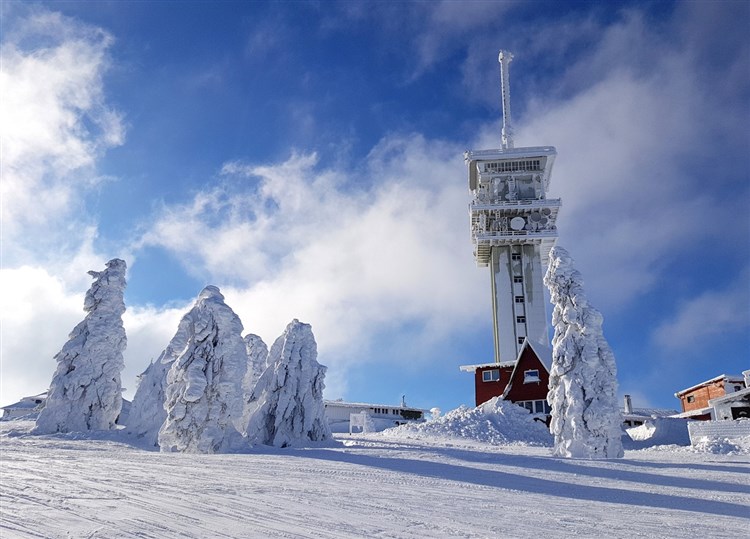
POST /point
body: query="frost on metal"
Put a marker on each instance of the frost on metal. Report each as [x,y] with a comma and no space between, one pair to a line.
[86,391]
[286,406]
[586,418]
[147,413]
[203,397]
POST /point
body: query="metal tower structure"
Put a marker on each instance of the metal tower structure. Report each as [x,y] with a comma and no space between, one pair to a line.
[512,230]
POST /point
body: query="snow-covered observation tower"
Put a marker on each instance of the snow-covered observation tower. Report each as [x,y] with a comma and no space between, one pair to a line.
[513,229]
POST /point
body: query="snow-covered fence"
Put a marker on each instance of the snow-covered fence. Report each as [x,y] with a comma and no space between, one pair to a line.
[732,430]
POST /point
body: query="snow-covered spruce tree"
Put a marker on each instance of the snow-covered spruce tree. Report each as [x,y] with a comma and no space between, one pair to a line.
[286,406]
[586,420]
[147,413]
[86,391]
[203,397]
[257,361]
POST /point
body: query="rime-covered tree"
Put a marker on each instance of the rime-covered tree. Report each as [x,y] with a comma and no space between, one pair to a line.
[147,413]
[583,380]
[286,406]
[203,397]
[86,391]
[257,361]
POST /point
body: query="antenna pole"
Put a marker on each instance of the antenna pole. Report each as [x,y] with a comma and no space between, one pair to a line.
[505,58]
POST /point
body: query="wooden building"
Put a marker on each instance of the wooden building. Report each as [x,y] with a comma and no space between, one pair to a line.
[523,381]
[694,400]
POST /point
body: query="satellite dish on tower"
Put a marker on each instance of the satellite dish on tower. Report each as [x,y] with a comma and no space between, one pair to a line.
[517,223]
[535,216]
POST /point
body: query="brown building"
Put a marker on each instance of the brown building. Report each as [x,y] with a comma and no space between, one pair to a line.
[694,400]
[523,381]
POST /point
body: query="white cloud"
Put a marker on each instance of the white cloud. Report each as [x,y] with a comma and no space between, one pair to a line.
[293,240]
[711,315]
[55,123]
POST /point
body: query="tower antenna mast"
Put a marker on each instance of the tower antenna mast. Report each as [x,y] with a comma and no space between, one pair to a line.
[505,58]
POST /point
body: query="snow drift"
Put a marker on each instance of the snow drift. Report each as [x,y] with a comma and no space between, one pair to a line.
[86,390]
[203,397]
[495,422]
[285,407]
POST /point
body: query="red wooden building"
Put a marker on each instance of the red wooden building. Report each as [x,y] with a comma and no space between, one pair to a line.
[523,381]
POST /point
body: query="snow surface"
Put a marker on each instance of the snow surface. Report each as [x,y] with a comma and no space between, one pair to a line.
[257,361]
[495,422]
[286,406]
[586,419]
[86,390]
[99,485]
[203,396]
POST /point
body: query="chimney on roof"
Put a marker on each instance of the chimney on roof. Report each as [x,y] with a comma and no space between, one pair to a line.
[628,405]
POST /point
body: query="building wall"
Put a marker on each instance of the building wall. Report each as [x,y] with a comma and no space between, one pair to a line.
[521,391]
[484,391]
[701,396]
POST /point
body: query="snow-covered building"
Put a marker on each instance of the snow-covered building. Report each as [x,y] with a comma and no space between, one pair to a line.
[26,408]
[635,417]
[523,381]
[695,400]
[382,416]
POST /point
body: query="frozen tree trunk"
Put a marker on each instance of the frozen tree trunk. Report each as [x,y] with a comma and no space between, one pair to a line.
[147,413]
[586,419]
[86,391]
[203,397]
[286,406]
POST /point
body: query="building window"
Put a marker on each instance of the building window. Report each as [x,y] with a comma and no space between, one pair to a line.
[517,279]
[531,375]
[515,256]
[539,407]
[492,375]
[519,299]
[529,405]
[520,319]
[521,339]
[691,398]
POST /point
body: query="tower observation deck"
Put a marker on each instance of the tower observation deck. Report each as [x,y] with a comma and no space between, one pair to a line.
[512,230]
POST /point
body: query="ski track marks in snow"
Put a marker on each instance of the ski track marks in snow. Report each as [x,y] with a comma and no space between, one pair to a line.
[367,486]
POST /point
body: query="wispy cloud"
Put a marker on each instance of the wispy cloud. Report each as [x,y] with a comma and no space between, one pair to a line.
[56,122]
[708,316]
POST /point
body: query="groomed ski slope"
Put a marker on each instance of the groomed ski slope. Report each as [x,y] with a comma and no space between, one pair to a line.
[363,486]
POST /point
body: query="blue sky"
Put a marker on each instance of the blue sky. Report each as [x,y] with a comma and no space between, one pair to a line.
[306,157]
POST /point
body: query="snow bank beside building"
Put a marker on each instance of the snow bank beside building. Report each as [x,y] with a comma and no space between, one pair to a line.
[658,431]
[495,422]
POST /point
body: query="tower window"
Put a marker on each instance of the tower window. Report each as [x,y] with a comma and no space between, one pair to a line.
[517,279]
[515,256]
[520,319]
[492,375]
[519,299]
[521,339]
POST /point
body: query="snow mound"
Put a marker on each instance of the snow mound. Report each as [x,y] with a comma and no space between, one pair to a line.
[659,431]
[495,422]
[723,446]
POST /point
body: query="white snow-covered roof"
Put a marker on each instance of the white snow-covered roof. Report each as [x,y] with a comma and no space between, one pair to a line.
[737,395]
[473,368]
[648,413]
[26,402]
[727,377]
[544,353]
[693,413]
